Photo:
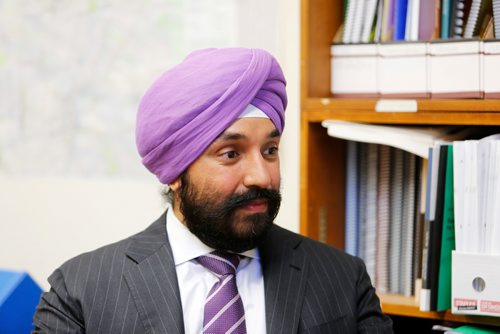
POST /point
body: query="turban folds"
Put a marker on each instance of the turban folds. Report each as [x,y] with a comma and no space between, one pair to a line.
[190,105]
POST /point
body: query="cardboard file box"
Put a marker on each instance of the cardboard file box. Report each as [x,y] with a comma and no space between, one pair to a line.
[455,69]
[354,70]
[475,284]
[402,70]
[491,61]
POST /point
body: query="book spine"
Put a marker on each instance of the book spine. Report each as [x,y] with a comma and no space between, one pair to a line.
[436,227]
[445,18]
[396,220]
[352,186]
[425,291]
[400,19]
[383,218]
[447,239]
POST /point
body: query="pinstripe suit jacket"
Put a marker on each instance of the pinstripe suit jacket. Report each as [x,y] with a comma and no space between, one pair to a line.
[131,287]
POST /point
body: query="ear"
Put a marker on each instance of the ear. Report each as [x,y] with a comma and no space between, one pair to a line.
[176,184]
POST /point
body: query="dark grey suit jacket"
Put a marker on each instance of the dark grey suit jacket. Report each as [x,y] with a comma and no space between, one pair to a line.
[131,287]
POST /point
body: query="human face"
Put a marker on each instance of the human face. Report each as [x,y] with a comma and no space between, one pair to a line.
[230,195]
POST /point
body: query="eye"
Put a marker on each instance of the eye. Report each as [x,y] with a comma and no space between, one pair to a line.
[230,154]
[273,150]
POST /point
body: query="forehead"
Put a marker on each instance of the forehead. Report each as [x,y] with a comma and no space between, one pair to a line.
[249,129]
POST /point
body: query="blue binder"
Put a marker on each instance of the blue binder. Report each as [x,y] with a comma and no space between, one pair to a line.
[19,296]
[401,8]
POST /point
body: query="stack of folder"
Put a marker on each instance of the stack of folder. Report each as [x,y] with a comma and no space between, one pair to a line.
[422,211]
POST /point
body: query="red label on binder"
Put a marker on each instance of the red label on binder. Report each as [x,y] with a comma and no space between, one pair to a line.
[465,304]
[490,306]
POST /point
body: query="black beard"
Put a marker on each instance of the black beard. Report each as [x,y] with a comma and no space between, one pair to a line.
[213,220]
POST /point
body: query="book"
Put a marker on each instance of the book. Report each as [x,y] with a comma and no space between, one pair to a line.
[378,24]
[419,219]
[349,21]
[486,30]
[397,176]
[362,199]
[446,7]
[457,18]
[484,17]
[387,21]
[425,293]
[427,19]
[370,229]
[408,223]
[369,19]
[412,19]
[358,21]
[383,218]
[437,22]
[400,11]
[352,186]
[496,18]
[436,226]
[473,18]
[447,239]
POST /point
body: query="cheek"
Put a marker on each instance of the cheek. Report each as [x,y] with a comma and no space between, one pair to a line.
[275,176]
[221,182]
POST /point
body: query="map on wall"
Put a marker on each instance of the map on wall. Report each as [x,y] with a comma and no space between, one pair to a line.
[72,74]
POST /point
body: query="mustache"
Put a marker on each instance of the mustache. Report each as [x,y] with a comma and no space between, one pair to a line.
[252,194]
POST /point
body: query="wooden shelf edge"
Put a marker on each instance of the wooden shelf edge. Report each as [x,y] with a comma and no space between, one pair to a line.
[427,105]
[416,118]
[399,305]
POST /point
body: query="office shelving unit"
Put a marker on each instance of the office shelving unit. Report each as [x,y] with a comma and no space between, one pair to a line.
[323,157]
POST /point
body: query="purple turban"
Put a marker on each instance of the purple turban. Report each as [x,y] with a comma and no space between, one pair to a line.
[190,105]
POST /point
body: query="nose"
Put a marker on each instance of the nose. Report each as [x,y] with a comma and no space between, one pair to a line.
[257,172]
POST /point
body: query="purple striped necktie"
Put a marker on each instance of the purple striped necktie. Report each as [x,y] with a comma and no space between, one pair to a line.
[224,312]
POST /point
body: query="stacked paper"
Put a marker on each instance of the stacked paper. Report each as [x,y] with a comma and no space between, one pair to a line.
[413,139]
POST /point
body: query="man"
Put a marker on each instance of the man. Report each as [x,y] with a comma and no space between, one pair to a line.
[214,262]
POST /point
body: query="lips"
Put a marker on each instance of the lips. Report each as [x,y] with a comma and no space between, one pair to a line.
[259,205]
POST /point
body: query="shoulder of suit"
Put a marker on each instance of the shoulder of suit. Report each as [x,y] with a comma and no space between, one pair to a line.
[114,250]
[81,275]
[309,245]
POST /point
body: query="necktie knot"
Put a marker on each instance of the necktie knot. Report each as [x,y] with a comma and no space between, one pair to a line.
[220,263]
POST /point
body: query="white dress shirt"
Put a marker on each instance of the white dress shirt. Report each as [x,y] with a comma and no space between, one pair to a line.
[195,281]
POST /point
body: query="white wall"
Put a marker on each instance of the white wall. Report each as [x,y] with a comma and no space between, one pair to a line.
[45,220]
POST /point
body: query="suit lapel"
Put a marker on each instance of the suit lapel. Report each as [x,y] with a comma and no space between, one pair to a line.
[285,274]
[153,280]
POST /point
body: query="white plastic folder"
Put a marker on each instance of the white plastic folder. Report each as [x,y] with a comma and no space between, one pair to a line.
[476,167]
[475,286]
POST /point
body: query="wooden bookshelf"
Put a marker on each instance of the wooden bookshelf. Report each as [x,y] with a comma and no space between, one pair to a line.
[322,175]
[408,307]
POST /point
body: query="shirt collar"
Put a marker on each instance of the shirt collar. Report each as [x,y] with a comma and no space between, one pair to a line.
[186,246]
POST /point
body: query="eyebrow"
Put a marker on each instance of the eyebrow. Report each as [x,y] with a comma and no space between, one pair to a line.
[227,135]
